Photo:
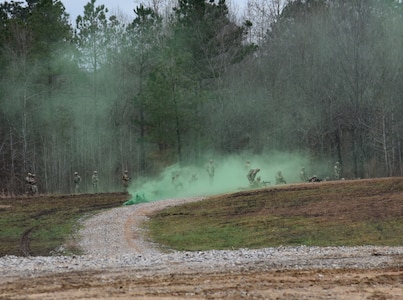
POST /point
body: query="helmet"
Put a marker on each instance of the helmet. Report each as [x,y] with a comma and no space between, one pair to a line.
[75,173]
[126,171]
[95,172]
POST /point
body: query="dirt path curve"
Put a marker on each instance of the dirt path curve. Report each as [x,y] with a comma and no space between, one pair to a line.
[118,231]
[133,234]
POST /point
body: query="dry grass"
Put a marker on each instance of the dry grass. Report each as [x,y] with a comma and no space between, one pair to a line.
[359,212]
[39,225]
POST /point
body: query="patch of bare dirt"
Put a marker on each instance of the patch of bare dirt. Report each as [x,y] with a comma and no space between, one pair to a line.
[192,284]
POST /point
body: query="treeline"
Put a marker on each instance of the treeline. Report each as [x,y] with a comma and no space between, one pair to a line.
[180,85]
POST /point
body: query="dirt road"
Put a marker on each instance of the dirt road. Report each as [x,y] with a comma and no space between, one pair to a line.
[192,284]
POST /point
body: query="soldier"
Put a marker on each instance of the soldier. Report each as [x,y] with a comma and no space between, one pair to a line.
[193,178]
[34,187]
[94,180]
[337,171]
[303,175]
[251,175]
[77,181]
[125,180]
[210,170]
[176,182]
[256,183]
[28,186]
[279,178]
[314,178]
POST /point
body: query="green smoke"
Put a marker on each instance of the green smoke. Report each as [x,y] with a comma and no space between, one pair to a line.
[230,176]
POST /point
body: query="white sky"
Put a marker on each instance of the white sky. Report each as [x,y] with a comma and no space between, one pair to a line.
[76,7]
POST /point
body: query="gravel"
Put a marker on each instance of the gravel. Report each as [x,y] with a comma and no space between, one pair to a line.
[113,240]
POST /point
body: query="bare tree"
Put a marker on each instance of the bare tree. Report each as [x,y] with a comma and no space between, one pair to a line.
[262,14]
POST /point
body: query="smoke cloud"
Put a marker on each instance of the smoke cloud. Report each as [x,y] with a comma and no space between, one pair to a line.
[230,176]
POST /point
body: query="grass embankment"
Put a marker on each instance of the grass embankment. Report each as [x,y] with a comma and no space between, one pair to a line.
[360,212]
[38,225]
[351,213]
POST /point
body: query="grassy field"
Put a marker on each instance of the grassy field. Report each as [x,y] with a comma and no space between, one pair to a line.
[360,212]
[39,225]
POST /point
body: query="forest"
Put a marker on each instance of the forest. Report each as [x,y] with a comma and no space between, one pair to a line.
[183,82]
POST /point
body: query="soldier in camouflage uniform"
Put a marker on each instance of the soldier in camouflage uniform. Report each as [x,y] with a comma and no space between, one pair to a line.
[193,178]
[176,181]
[251,175]
[34,186]
[314,178]
[279,178]
[210,170]
[28,181]
[94,180]
[125,180]
[77,181]
[337,171]
[31,188]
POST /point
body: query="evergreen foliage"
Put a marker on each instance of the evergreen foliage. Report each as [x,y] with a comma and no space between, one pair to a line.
[323,79]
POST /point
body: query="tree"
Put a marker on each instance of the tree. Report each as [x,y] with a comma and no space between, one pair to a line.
[91,36]
[361,74]
[327,64]
[261,14]
[135,62]
[31,35]
[211,44]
